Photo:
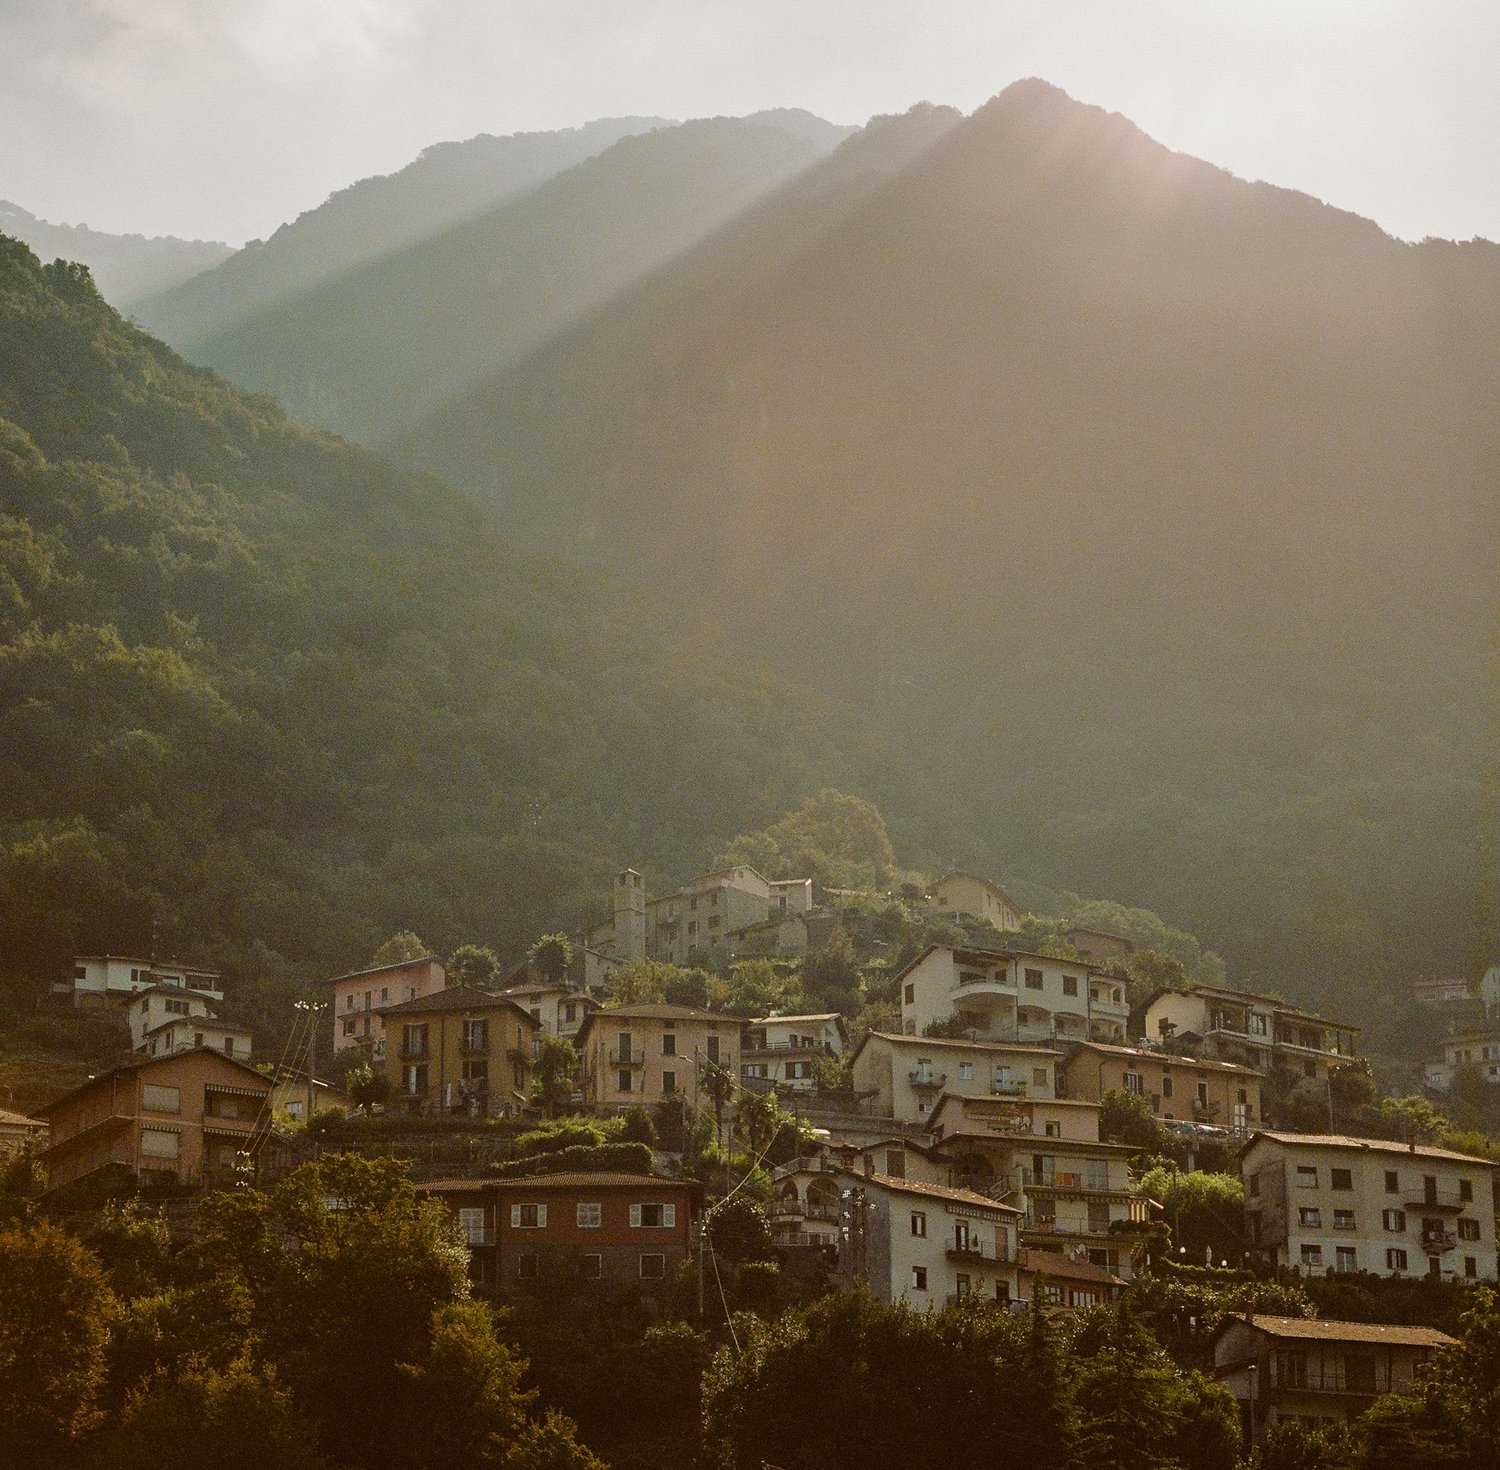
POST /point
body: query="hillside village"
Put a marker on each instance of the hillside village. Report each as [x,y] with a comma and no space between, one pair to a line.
[749,1091]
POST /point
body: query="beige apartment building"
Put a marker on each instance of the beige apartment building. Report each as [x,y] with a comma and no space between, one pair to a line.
[358,998]
[639,1054]
[1001,995]
[1192,1089]
[784,1051]
[459,1050]
[1238,1026]
[905,1076]
[560,1010]
[105,980]
[1330,1203]
[963,893]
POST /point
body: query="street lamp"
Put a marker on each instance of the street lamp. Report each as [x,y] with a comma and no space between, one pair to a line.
[312,1009]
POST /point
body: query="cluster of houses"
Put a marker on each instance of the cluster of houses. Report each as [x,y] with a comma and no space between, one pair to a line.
[961,1157]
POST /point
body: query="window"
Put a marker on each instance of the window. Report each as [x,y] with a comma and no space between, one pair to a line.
[348,1025]
[1053,1130]
[476,1035]
[1395,1260]
[1471,1266]
[591,1266]
[1344,1258]
[471,1223]
[919,1223]
[962,1284]
[1291,1370]
[1070,984]
[1033,979]
[1310,1218]
[1340,1179]
[414,1079]
[526,1266]
[653,1217]
[174,1007]
[536,1014]
[161,1099]
[1393,1219]
[1039,1076]
[653,1266]
[570,1010]
[1166,1085]
[1252,1186]
[414,1039]
[669,1044]
[1203,1094]
[1307,1176]
[1468,1229]
[1343,1219]
[1133,1083]
[590,1216]
[919,1278]
[965,1071]
[626,1046]
[159,1143]
[1080,1297]
[623,1079]
[476,1072]
[713,1048]
[909,995]
[385,993]
[1391,1184]
[1312,1255]
[669,1081]
[714,921]
[1050,1293]
[528,1217]
[1466,1190]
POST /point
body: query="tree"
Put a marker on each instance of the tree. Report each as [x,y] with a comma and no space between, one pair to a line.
[399,948]
[23,1181]
[1206,1212]
[54,1322]
[556,1063]
[638,1128]
[367,1089]
[834,839]
[1126,1117]
[1412,1117]
[472,964]
[551,957]
[830,976]
[758,987]
[720,1088]
[739,1229]
[203,1418]
[642,983]
[758,1118]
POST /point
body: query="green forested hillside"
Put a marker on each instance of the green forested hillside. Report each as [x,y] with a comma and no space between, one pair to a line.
[1156,508]
[384,344]
[449,182]
[278,698]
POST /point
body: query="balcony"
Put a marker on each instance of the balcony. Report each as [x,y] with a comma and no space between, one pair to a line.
[784,1048]
[1439,1202]
[477,1237]
[976,1254]
[932,1081]
[414,1053]
[1439,1240]
[618,1058]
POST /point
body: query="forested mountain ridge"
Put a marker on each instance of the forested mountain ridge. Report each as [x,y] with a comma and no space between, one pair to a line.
[1155,507]
[125,267]
[378,348]
[278,698]
[447,183]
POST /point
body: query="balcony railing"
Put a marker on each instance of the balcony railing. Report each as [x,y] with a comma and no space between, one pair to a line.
[1327,1380]
[618,1058]
[928,1079]
[1442,1202]
[1438,1240]
[819,1048]
[976,1253]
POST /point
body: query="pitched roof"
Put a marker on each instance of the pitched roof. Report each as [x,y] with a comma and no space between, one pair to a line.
[13,1119]
[176,991]
[126,959]
[934,1191]
[994,1046]
[994,888]
[1322,1329]
[454,998]
[135,1063]
[1150,1054]
[652,1011]
[1055,1263]
[1369,1145]
[986,953]
[1226,993]
[603,1179]
[207,1023]
[421,959]
[772,1020]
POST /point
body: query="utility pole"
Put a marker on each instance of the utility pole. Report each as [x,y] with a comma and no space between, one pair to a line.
[312,1010]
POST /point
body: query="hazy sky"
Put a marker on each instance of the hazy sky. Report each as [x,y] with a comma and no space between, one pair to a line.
[225,118]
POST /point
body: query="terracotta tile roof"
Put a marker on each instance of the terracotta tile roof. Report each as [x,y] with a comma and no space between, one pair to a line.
[934,1191]
[779,1020]
[1370,1145]
[1151,1054]
[20,1118]
[454,998]
[135,1063]
[1322,1329]
[1055,1263]
[651,1011]
[383,969]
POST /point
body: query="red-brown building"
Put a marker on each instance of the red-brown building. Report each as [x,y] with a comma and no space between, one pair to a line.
[617,1233]
[184,1117]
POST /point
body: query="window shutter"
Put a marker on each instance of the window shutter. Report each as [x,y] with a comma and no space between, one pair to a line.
[635,1215]
[541,1216]
[515,1217]
[669,1215]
